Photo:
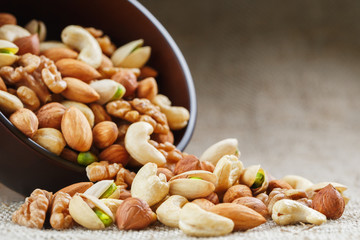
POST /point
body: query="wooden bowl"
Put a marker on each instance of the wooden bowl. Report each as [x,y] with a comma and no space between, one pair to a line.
[24,165]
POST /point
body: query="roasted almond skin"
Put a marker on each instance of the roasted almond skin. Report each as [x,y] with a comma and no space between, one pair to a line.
[244,218]
[56,54]
[76,130]
[77,69]
[79,91]
[29,44]
[255,204]
[80,187]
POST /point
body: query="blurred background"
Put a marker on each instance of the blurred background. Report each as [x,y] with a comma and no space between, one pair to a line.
[283,77]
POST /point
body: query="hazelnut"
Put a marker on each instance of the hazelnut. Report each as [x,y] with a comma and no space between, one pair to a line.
[50,115]
[237,191]
[26,121]
[187,163]
[329,202]
[147,88]
[203,203]
[169,174]
[128,79]
[207,166]
[213,197]
[115,154]
[105,134]
[134,213]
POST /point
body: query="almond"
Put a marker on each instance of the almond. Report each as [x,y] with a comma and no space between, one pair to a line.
[76,130]
[253,203]
[80,187]
[29,44]
[329,202]
[7,18]
[26,121]
[74,68]
[80,91]
[50,115]
[56,54]
[99,113]
[243,217]
[115,154]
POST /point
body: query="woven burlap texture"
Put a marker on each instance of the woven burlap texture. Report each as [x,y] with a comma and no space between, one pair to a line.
[282,77]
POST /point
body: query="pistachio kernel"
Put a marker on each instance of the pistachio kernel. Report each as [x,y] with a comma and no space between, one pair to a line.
[109,191]
[259,179]
[86,158]
[104,218]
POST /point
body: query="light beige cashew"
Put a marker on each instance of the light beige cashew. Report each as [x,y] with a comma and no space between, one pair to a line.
[297,182]
[227,146]
[288,211]
[193,184]
[131,55]
[137,144]
[83,108]
[255,178]
[36,26]
[78,38]
[7,53]
[12,32]
[148,186]
[168,212]
[195,221]
[177,117]
[51,44]
[108,89]
[311,191]
[84,214]
[227,170]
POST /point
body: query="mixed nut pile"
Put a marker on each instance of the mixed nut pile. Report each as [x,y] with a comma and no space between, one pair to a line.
[96,105]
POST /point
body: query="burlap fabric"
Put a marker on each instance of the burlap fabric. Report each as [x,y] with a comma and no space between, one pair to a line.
[280,76]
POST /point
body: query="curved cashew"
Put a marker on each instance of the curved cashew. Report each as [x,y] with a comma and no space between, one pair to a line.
[12,32]
[138,146]
[228,170]
[80,39]
[177,116]
[297,182]
[7,53]
[195,221]
[168,212]
[288,211]
[131,55]
[216,151]
[148,186]
[36,26]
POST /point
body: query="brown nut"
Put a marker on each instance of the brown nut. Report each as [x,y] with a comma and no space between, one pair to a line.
[207,166]
[50,115]
[28,98]
[99,113]
[79,187]
[253,203]
[203,203]
[134,213]
[26,121]
[147,71]
[29,44]
[235,192]
[163,138]
[147,88]
[213,197]
[51,139]
[76,130]
[77,69]
[56,54]
[329,202]
[105,134]
[60,217]
[2,85]
[115,154]
[277,184]
[7,18]
[128,79]
[187,163]
[79,91]
[243,217]
[169,174]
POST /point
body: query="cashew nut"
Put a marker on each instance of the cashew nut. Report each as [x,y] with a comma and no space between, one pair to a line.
[78,38]
[177,116]
[36,26]
[7,53]
[131,55]
[148,186]
[12,32]
[168,212]
[288,211]
[227,146]
[9,103]
[138,146]
[297,182]
[228,170]
[195,221]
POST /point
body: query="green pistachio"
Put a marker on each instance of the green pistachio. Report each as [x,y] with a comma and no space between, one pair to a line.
[259,179]
[195,178]
[120,91]
[86,158]
[109,191]
[105,219]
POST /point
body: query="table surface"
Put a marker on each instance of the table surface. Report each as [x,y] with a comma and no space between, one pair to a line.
[282,78]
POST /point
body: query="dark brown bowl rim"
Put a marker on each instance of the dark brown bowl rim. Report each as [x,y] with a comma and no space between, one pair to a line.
[190,87]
